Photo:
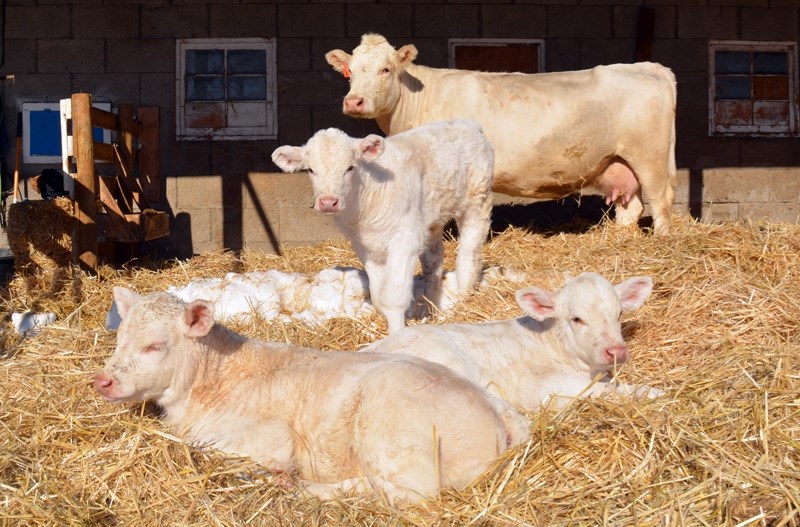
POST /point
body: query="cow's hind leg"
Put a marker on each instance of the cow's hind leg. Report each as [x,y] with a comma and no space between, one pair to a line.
[432,261]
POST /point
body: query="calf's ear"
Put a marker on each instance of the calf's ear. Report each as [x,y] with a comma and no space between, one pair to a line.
[340,60]
[371,147]
[537,303]
[634,291]
[125,298]
[198,319]
[289,158]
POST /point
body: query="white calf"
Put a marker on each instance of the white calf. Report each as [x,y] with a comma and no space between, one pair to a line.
[393,197]
[570,338]
[336,420]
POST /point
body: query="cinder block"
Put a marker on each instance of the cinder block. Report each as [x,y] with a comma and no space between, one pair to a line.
[228,21]
[111,22]
[198,192]
[148,55]
[170,21]
[784,184]
[708,22]
[595,51]
[447,20]
[71,56]
[787,212]
[306,226]
[728,185]
[20,57]
[308,87]
[682,186]
[294,54]
[626,20]
[513,21]
[387,19]
[280,190]
[311,20]
[37,22]
[779,24]
[158,89]
[200,221]
[116,88]
[719,212]
[595,21]
[682,55]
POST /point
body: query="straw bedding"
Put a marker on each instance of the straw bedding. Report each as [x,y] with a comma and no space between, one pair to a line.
[719,335]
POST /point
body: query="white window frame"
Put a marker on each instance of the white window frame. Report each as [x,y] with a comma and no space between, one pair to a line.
[453,43]
[754,130]
[267,130]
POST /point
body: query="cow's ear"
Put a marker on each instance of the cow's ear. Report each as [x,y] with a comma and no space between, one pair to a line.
[406,55]
[634,291]
[124,298]
[198,319]
[340,60]
[536,302]
[289,158]
[371,147]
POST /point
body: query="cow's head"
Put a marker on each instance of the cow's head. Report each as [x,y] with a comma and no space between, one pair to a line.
[586,312]
[152,340]
[374,70]
[332,159]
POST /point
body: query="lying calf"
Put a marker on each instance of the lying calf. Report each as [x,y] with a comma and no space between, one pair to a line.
[337,420]
[569,338]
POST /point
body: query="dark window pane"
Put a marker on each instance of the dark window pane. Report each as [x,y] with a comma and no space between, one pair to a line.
[733,87]
[247,88]
[205,61]
[205,89]
[247,61]
[771,62]
[732,62]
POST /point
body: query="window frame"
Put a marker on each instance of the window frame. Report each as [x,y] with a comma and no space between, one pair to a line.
[453,43]
[790,129]
[269,129]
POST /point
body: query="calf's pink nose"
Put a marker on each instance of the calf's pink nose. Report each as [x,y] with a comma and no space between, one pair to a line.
[618,354]
[328,204]
[103,383]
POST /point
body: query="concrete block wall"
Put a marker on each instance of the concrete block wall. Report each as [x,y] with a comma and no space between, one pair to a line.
[224,194]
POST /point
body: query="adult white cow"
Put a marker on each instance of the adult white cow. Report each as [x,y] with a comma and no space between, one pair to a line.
[568,339]
[610,127]
[337,420]
[393,197]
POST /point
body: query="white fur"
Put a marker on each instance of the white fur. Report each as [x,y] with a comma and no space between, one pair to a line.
[371,423]
[393,198]
[559,349]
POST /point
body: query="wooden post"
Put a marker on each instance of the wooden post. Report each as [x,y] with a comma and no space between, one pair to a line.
[84,236]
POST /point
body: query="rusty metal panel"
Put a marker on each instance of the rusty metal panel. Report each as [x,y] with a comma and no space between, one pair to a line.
[205,115]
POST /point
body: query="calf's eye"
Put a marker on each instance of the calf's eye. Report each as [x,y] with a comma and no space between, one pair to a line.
[157,346]
[578,321]
[350,168]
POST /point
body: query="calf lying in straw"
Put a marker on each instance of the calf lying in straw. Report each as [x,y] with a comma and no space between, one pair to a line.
[337,420]
[570,338]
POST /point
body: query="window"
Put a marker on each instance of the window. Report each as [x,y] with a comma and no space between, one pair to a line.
[753,89]
[522,55]
[225,89]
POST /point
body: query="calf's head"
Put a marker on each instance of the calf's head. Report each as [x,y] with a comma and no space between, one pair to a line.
[333,160]
[152,341]
[375,72]
[586,316]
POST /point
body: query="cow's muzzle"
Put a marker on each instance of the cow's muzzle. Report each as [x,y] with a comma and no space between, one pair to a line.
[328,204]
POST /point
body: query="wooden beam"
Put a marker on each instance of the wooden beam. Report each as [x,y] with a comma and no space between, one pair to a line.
[120,230]
[84,238]
[104,119]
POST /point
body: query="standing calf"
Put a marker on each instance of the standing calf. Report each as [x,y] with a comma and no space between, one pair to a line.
[569,338]
[338,420]
[393,197]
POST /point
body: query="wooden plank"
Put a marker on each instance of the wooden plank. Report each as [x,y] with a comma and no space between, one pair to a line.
[154,224]
[119,192]
[104,119]
[127,179]
[104,152]
[118,224]
[84,239]
[150,153]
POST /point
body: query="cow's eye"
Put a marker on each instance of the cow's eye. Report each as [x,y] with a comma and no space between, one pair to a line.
[386,71]
[310,171]
[578,321]
[350,168]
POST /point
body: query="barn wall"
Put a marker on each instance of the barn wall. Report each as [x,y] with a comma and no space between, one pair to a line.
[226,194]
